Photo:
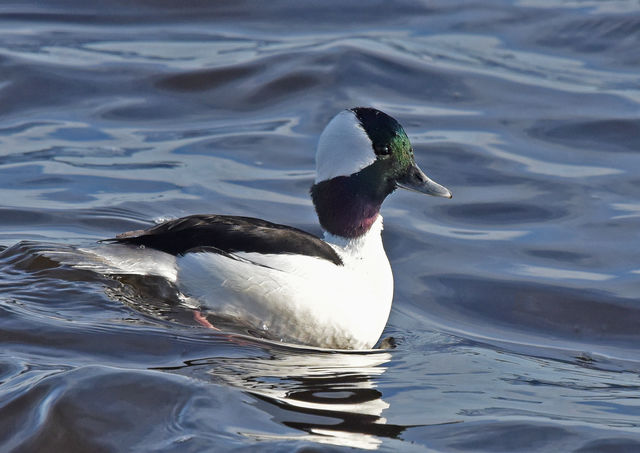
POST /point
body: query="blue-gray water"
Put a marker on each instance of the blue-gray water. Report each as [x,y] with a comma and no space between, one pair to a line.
[516,310]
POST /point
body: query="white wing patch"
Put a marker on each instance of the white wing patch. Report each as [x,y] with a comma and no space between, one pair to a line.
[118,259]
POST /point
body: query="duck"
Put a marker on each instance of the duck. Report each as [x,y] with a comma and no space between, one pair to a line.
[331,292]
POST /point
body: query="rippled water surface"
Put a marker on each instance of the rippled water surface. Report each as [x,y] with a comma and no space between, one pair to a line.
[516,311]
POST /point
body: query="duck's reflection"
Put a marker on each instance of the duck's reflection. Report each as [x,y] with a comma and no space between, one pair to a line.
[330,397]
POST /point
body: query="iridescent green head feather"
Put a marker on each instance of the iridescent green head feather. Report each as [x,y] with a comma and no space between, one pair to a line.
[388,138]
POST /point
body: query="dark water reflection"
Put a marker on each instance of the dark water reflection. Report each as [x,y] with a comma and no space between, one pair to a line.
[516,310]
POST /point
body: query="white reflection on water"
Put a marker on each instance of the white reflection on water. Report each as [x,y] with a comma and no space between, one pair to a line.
[423,110]
[473,234]
[561,274]
[596,6]
[128,153]
[493,145]
[329,397]
[490,56]
[631,210]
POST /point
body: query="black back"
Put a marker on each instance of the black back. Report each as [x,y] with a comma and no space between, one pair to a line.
[228,234]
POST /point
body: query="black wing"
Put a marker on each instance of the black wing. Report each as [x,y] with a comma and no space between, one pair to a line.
[228,234]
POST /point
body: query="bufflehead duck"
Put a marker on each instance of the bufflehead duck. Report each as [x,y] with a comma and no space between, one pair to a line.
[334,292]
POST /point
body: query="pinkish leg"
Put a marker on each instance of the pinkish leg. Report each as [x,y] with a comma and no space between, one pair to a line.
[202,320]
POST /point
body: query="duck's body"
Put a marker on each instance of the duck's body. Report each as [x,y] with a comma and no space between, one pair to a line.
[335,292]
[307,299]
[296,286]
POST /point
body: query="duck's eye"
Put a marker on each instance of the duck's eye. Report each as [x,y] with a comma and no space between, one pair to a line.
[382,150]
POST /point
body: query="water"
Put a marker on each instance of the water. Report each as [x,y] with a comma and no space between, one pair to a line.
[516,313]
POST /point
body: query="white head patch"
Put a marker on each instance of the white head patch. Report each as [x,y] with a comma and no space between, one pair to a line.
[344,148]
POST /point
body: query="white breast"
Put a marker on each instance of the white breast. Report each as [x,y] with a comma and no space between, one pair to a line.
[302,298]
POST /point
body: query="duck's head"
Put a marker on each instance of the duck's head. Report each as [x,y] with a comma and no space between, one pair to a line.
[363,155]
